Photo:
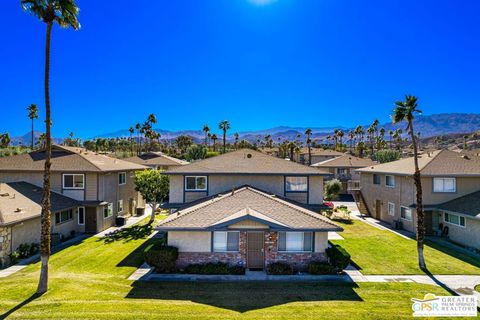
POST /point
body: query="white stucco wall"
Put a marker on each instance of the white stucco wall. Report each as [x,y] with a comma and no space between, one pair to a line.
[190,241]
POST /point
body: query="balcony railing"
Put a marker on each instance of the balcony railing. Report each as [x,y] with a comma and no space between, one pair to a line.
[353,185]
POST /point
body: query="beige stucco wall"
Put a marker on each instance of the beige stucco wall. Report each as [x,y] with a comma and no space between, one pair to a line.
[35,178]
[91,182]
[315,190]
[464,186]
[176,189]
[321,241]
[468,236]
[190,241]
[26,232]
[248,224]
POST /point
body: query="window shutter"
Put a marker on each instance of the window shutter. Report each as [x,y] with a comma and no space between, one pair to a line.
[307,241]
[282,241]
[232,241]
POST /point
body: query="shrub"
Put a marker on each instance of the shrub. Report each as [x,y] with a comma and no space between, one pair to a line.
[161,257]
[332,189]
[387,155]
[26,250]
[14,257]
[214,268]
[321,267]
[338,256]
[280,268]
[211,154]
[196,152]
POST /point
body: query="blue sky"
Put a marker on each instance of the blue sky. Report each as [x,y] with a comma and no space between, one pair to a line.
[298,63]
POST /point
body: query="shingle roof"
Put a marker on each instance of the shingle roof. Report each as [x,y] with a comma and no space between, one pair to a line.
[249,204]
[245,161]
[468,205]
[436,163]
[156,159]
[324,152]
[27,197]
[67,159]
[345,161]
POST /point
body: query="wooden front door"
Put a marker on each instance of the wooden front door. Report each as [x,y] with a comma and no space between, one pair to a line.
[255,252]
[90,220]
[378,209]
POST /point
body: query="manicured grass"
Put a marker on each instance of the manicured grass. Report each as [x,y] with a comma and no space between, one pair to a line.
[377,251]
[477,288]
[89,281]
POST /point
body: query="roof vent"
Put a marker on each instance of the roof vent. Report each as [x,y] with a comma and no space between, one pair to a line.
[465,157]
[4,194]
[18,210]
[249,155]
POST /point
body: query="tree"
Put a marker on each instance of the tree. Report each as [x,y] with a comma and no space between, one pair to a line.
[340,135]
[206,129]
[224,126]
[214,139]
[387,155]
[236,136]
[183,142]
[4,140]
[154,188]
[138,127]
[32,115]
[308,134]
[405,111]
[332,189]
[351,138]
[131,130]
[63,12]
[196,152]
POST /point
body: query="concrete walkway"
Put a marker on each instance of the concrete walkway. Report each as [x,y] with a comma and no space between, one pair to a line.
[130,222]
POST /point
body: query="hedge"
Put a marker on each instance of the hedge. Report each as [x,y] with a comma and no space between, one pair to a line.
[214,268]
[321,267]
[163,258]
[280,268]
[338,256]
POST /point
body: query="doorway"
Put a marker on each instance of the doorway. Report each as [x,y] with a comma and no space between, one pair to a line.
[255,250]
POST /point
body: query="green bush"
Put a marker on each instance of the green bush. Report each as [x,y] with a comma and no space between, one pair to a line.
[321,267]
[161,257]
[332,189]
[387,155]
[26,250]
[280,268]
[338,256]
[214,268]
[211,154]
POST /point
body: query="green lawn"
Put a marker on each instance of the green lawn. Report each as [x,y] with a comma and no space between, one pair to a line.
[377,251]
[89,281]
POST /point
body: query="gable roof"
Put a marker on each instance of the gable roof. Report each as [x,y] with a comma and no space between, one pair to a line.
[245,161]
[323,152]
[27,197]
[156,159]
[436,163]
[467,205]
[246,203]
[69,159]
[345,161]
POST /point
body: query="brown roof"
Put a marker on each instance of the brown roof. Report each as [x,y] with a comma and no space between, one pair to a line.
[20,201]
[467,205]
[247,203]
[436,163]
[67,159]
[156,159]
[345,161]
[245,161]
[323,152]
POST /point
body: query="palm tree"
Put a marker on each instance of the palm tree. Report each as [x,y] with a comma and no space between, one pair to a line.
[390,133]
[224,125]
[63,12]
[405,110]
[308,134]
[4,140]
[340,135]
[131,130]
[214,139]
[138,127]
[351,137]
[32,115]
[236,136]
[206,129]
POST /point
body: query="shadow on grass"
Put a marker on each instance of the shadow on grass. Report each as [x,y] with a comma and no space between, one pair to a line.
[454,253]
[440,283]
[128,234]
[135,258]
[244,296]
[8,313]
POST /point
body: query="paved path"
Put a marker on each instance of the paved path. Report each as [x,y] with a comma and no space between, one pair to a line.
[130,222]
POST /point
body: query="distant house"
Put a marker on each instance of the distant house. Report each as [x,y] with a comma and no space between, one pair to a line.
[318,155]
[205,178]
[450,185]
[247,227]
[156,160]
[103,186]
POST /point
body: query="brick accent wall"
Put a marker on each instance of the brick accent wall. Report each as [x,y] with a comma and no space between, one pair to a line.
[5,244]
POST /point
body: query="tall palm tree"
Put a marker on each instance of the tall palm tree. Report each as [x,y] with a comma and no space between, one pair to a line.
[206,129]
[214,139]
[32,115]
[236,136]
[138,127]
[224,125]
[131,130]
[406,110]
[63,12]
[340,135]
[351,137]
[390,133]
[308,134]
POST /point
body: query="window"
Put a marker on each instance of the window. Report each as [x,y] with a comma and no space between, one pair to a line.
[342,171]
[406,213]
[196,183]
[296,184]
[81,215]
[454,219]
[108,210]
[390,181]
[295,241]
[122,178]
[376,179]
[63,216]
[73,181]
[226,241]
[391,209]
[120,206]
[444,185]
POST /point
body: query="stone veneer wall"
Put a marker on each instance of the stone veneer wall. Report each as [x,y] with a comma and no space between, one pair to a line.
[5,244]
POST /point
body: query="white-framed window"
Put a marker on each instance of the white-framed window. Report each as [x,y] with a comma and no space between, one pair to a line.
[376,178]
[73,181]
[391,208]
[454,219]
[119,206]
[342,171]
[225,241]
[108,210]
[63,216]
[390,181]
[406,213]
[81,215]
[299,184]
[196,183]
[122,178]
[294,241]
[444,185]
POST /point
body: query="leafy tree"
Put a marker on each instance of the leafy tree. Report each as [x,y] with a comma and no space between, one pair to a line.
[387,155]
[32,115]
[332,189]
[196,152]
[405,111]
[4,140]
[183,142]
[63,12]
[224,126]
[154,188]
